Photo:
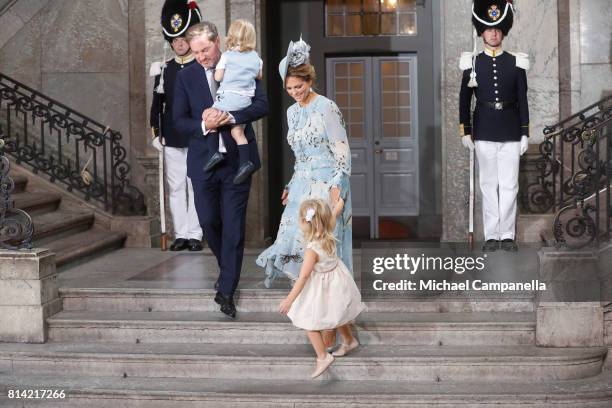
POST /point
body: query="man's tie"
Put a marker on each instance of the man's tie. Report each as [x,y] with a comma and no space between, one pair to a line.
[212,84]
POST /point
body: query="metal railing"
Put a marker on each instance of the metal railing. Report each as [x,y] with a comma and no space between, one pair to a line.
[15,225]
[570,177]
[67,146]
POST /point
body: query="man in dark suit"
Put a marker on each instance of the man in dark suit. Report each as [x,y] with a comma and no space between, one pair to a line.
[221,205]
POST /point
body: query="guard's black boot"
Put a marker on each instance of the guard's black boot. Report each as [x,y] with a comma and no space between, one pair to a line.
[179,244]
[491,245]
[509,245]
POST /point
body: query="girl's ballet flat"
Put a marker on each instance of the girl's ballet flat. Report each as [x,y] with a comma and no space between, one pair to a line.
[322,365]
[344,348]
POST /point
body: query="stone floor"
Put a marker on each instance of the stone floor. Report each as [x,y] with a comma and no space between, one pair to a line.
[152,268]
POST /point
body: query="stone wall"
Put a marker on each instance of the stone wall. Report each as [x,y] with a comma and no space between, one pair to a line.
[591,51]
[72,51]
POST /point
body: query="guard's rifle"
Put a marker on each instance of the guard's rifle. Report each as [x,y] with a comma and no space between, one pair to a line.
[163,238]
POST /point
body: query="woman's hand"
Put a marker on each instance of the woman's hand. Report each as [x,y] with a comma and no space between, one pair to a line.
[284,306]
[338,206]
[284,197]
[334,195]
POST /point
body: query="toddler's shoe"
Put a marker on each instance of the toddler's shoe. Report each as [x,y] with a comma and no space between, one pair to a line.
[245,170]
[322,365]
[214,160]
[344,348]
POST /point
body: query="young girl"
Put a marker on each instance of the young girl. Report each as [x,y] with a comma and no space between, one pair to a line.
[325,295]
[237,71]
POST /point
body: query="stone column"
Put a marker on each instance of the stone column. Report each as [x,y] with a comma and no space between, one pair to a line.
[257,212]
[28,295]
[455,37]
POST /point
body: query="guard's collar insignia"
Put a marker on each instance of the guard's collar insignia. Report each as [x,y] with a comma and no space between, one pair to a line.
[494,12]
[176,22]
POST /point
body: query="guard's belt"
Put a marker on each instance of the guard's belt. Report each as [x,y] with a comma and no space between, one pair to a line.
[498,105]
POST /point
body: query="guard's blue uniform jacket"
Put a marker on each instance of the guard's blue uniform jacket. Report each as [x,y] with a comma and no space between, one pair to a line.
[501,113]
[163,103]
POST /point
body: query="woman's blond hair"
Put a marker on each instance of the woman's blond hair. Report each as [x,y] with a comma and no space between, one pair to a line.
[319,228]
[241,36]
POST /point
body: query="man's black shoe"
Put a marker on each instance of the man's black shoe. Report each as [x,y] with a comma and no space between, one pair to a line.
[244,172]
[214,160]
[491,245]
[227,304]
[509,245]
[195,245]
[179,244]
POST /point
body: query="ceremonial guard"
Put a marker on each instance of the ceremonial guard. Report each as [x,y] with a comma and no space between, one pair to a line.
[498,128]
[177,16]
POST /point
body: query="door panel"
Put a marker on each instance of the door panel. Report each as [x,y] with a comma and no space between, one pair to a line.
[377,97]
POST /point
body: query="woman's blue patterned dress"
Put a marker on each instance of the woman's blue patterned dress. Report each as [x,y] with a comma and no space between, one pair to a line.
[318,139]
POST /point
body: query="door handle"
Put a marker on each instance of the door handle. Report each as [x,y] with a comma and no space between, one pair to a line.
[378,151]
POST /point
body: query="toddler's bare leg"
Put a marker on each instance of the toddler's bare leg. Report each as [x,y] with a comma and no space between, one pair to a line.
[238,135]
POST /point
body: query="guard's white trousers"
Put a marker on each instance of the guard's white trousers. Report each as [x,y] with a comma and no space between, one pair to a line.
[498,165]
[180,194]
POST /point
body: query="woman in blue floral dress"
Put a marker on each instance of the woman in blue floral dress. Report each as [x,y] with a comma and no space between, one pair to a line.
[322,168]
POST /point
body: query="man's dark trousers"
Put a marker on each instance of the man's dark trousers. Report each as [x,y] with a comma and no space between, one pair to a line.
[221,207]
[220,204]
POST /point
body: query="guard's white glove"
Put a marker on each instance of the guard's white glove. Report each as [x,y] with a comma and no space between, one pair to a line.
[157,144]
[467,142]
[524,144]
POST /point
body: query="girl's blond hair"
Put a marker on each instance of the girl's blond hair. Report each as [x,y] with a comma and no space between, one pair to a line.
[318,228]
[241,36]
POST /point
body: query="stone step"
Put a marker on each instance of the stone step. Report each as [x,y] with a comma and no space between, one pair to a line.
[295,362]
[531,228]
[59,224]
[267,300]
[271,328]
[83,246]
[105,392]
[37,203]
[21,182]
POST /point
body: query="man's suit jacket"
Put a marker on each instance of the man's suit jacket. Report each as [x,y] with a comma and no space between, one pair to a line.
[191,97]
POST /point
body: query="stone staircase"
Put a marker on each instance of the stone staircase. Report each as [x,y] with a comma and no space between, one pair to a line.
[141,345]
[62,224]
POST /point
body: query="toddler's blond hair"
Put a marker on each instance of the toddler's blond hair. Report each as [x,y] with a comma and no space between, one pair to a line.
[241,36]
